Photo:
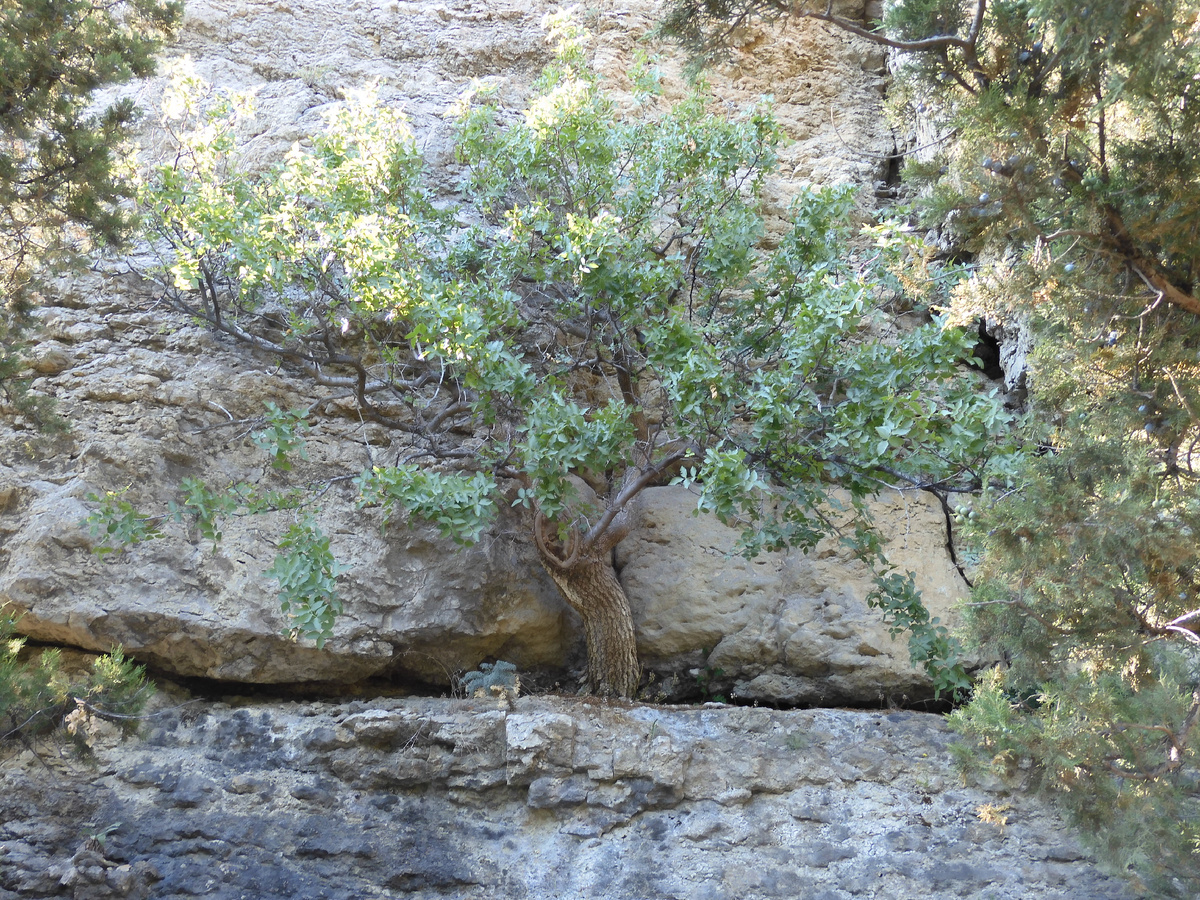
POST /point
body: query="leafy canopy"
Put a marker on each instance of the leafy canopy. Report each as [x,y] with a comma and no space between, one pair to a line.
[1068,178]
[1074,171]
[603,311]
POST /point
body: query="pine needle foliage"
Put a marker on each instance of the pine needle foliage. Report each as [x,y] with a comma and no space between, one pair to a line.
[36,696]
[499,679]
[61,188]
[1075,166]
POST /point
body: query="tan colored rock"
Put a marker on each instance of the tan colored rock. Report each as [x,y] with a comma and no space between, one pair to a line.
[789,627]
[299,57]
[413,603]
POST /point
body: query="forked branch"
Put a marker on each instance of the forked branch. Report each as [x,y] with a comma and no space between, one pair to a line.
[570,553]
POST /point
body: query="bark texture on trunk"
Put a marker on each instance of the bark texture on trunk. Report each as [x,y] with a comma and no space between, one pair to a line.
[590,586]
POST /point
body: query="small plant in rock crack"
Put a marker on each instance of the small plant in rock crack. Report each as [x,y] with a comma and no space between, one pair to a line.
[37,694]
[498,679]
[705,679]
[304,565]
[96,838]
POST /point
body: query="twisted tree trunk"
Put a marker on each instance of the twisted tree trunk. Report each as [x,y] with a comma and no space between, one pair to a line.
[588,582]
[580,562]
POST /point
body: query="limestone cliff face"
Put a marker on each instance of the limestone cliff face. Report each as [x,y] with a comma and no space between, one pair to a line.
[550,798]
[153,398]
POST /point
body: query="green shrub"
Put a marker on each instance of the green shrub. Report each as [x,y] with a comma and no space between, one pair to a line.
[37,696]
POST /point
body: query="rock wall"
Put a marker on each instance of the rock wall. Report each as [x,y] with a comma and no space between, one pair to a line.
[450,799]
[152,398]
[550,798]
[781,628]
[787,628]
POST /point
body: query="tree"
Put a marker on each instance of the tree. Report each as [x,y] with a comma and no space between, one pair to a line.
[600,316]
[60,186]
[37,695]
[1071,176]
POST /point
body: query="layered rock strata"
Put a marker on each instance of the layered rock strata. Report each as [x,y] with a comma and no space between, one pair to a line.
[546,798]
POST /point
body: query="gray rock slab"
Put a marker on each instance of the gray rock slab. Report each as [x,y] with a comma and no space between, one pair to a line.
[743,813]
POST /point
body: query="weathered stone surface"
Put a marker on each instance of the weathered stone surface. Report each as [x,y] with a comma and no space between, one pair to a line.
[792,627]
[553,798]
[414,602]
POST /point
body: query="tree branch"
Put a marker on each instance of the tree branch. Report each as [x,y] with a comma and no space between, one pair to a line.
[360,385]
[1177,745]
[629,490]
[575,544]
[936,42]
[1123,246]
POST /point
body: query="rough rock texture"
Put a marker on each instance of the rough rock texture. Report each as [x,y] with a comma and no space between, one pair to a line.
[152,398]
[792,628]
[463,799]
[299,56]
[547,799]
[1015,338]
[788,628]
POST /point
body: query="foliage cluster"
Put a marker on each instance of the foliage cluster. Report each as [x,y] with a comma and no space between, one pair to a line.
[61,188]
[1074,165]
[599,311]
[307,575]
[498,679]
[37,697]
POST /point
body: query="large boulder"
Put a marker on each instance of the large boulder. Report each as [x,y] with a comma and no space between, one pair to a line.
[789,628]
